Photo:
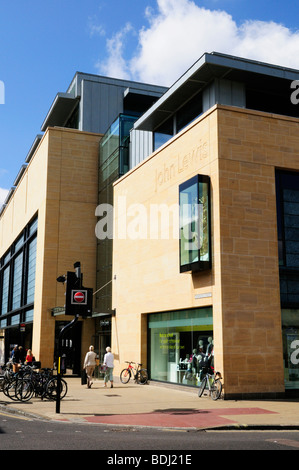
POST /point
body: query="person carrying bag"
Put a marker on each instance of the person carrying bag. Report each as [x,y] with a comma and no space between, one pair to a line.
[89,365]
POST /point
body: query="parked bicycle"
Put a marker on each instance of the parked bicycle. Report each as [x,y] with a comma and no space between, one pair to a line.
[212,383]
[28,383]
[136,372]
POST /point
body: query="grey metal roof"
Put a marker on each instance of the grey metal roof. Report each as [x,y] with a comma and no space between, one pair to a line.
[213,65]
[61,109]
[19,175]
[33,147]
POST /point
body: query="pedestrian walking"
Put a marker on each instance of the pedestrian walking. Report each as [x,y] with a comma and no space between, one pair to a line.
[89,365]
[109,362]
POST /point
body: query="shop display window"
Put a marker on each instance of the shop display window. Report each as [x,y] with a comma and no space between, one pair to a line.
[290,336]
[195,237]
[179,341]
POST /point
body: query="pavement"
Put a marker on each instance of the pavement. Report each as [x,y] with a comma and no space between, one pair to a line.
[156,405]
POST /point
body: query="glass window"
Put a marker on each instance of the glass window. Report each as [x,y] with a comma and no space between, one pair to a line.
[195,244]
[19,243]
[178,341]
[5,290]
[163,133]
[6,258]
[17,285]
[15,319]
[31,271]
[189,112]
[287,195]
[33,227]
[29,315]
[290,336]
[17,281]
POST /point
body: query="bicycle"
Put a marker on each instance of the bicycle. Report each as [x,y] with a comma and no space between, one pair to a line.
[139,375]
[23,385]
[17,385]
[212,383]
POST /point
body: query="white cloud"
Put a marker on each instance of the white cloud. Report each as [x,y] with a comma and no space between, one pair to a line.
[3,194]
[94,28]
[179,32]
[115,65]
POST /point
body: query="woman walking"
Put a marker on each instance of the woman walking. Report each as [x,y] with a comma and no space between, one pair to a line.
[109,362]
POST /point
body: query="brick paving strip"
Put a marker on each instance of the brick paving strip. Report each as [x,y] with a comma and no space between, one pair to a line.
[177,418]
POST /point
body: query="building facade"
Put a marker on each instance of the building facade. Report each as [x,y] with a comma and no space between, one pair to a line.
[182,206]
[48,220]
[206,241]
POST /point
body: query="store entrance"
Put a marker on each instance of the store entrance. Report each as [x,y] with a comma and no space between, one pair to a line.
[20,335]
[103,336]
[71,347]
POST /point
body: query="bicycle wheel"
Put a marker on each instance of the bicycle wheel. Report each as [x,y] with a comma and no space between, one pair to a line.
[24,390]
[10,389]
[125,376]
[202,386]
[216,389]
[142,376]
[52,389]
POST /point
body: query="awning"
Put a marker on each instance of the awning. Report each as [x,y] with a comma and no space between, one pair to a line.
[56,311]
[61,109]
[258,75]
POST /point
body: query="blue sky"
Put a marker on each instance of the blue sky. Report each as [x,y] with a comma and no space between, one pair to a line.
[43,44]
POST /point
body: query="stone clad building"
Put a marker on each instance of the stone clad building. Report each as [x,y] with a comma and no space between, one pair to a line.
[237,288]
[203,254]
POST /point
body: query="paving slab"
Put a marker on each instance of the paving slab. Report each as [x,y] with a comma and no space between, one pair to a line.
[156,405]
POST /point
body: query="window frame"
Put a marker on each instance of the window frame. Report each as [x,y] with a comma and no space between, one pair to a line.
[199,264]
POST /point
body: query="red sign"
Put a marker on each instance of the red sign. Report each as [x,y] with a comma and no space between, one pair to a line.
[79,297]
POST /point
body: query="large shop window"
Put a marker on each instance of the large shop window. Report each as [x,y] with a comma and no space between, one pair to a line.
[177,341]
[195,237]
[290,337]
[287,196]
[17,278]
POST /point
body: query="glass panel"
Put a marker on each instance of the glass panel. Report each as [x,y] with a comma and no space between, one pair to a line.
[163,133]
[178,340]
[15,319]
[194,224]
[17,282]
[5,287]
[29,315]
[291,226]
[204,223]
[113,162]
[287,197]
[290,335]
[6,258]
[33,227]
[19,243]
[189,112]
[189,224]
[31,271]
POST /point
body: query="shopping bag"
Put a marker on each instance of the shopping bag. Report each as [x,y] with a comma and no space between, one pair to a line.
[83,377]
